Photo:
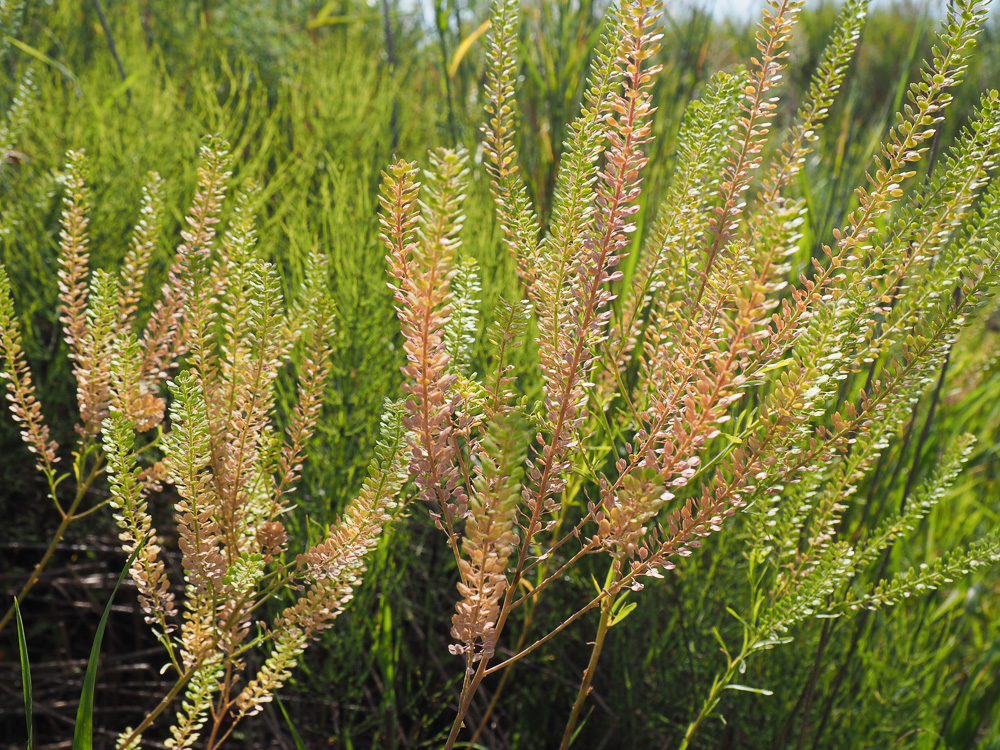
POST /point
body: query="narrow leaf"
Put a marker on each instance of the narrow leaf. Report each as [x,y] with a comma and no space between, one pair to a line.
[621,614]
[83,735]
[299,744]
[463,49]
[22,644]
[748,689]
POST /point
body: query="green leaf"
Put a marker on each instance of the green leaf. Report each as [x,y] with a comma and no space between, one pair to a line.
[621,614]
[332,20]
[83,735]
[22,645]
[597,586]
[748,689]
[776,365]
[768,643]
[299,744]
[722,643]
[609,578]
[28,49]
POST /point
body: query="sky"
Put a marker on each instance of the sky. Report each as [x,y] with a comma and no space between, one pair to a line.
[749,9]
[736,10]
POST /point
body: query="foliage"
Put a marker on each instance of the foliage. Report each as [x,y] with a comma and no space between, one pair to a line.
[723,387]
[316,98]
[222,314]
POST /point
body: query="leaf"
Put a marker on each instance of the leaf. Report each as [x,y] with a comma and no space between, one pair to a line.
[326,11]
[609,578]
[748,689]
[28,49]
[463,48]
[771,643]
[597,586]
[120,89]
[776,365]
[325,17]
[722,643]
[22,645]
[299,744]
[621,614]
[83,735]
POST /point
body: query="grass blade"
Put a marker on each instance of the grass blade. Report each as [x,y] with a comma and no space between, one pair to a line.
[83,735]
[299,744]
[462,50]
[22,645]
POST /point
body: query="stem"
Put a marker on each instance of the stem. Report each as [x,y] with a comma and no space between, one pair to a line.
[809,693]
[551,634]
[220,709]
[161,707]
[185,677]
[808,690]
[469,688]
[390,54]
[441,24]
[92,509]
[588,675]
[712,700]
[483,671]
[224,737]
[111,44]
[865,615]
[586,549]
[67,518]
[528,618]
[33,579]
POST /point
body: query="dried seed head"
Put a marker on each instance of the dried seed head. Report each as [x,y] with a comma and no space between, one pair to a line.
[271,536]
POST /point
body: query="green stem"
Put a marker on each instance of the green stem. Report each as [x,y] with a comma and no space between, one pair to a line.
[711,701]
[588,675]
[506,675]
[469,688]
[719,684]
